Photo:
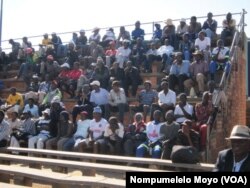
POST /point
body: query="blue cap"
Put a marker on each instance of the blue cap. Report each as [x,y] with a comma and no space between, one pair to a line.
[97,110]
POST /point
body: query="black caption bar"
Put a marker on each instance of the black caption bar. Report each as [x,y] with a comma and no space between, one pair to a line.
[211,179]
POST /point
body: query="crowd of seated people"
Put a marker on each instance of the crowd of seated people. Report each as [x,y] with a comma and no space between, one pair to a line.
[100,73]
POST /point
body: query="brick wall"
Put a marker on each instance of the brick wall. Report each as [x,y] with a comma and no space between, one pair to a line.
[235,110]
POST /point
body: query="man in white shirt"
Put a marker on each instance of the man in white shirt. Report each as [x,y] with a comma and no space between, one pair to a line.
[81,133]
[166,99]
[123,53]
[153,143]
[96,132]
[183,111]
[99,96]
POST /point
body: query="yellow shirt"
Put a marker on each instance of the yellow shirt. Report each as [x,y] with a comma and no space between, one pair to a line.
[12,99]
[46,42]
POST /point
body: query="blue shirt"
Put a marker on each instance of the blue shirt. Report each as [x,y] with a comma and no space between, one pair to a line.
[180,69]
[138,33]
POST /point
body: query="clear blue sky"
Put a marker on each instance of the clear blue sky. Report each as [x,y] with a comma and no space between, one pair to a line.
[35,17]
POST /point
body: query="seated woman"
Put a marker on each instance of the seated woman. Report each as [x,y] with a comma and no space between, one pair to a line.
[135,135]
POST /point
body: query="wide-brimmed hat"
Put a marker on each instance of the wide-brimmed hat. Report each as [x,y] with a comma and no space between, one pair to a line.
[240,132]
[198,52]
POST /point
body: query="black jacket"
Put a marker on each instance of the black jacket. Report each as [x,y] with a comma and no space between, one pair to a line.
[225,162]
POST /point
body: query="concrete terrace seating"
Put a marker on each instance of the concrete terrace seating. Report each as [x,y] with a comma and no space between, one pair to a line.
[27,177]
[117,170]
[161,164]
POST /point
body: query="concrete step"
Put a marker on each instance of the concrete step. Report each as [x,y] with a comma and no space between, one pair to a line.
[12,82]
[8,74]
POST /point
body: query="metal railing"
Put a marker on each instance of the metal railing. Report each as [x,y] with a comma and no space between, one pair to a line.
[147,26]
[223,86]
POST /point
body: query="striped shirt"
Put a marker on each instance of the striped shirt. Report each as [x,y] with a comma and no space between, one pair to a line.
[4,130]
[147,97]
[28,126]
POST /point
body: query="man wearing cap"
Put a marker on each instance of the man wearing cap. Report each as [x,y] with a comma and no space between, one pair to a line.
[96,132]
[4,130]
[43,131]
[99,96]
[237,158]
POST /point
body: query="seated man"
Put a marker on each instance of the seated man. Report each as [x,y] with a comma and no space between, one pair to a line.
[113,136]
[220,56]
[146,98]
[96,132]
[26,130]
[43,131]
[15,100]
[187,136]
[229,25]
[153,143]
[198,73]
[166,99]
[81,133]
[117,101]
[179,72]
[169,130]
[4,130]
